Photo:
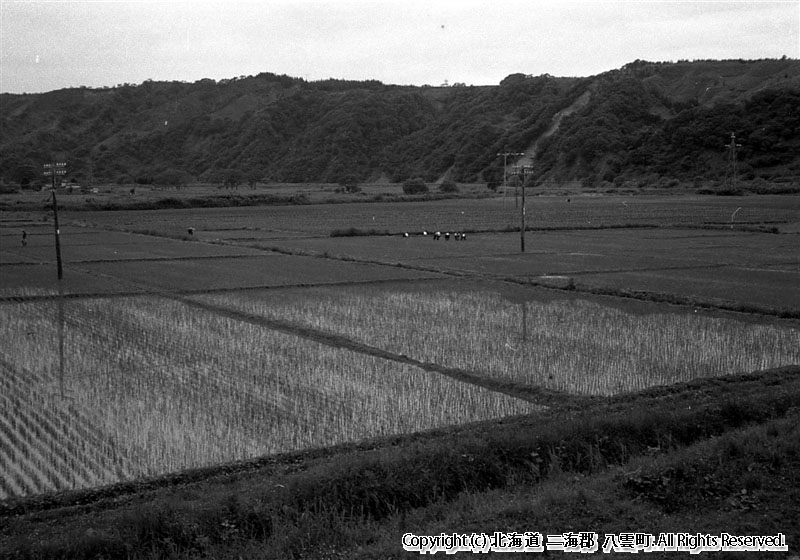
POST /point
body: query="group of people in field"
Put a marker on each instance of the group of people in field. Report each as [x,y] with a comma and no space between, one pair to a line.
[438,235]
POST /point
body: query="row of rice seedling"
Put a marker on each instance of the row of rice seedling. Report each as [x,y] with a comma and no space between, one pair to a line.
[169,386]
[49,440]
[571,344]
[41,438]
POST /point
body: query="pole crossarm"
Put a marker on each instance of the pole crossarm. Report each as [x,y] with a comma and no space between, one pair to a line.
[506,154]
[55,168]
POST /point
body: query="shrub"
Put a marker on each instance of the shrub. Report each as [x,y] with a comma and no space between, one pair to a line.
[349,185]
[356,232]
[448,187]
[415,186]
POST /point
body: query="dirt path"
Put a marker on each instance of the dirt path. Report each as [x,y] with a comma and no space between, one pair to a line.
[537,395]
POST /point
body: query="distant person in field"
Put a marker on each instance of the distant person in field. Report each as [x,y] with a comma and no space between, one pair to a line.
[24,238]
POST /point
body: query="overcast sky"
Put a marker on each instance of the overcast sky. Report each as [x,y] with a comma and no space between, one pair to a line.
[53,44]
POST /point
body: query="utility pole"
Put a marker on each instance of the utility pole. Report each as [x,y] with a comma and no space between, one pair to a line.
[52,170]
[522,171]
[505,167]
[732,158]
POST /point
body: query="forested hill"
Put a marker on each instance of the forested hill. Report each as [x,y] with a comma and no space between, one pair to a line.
[644,122]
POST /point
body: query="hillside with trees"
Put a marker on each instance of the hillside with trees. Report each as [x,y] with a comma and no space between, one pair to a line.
[645,123]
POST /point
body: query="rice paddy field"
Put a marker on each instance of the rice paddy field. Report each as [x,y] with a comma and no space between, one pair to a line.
[259,332]
[142,386]
[573,345]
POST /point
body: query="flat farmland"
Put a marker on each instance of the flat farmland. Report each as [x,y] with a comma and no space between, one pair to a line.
[92,245]
[462,215]
[562,342]
[248,272]
[738,267]
[98,261]
[261,332]
[193,274]
[145,386]
[775,290]
[37,280]
[734,249]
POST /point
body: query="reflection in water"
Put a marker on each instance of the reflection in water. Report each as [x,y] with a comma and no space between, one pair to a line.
[61,320]
[524,306]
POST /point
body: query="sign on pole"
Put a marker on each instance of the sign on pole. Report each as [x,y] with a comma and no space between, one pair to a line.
[54,169]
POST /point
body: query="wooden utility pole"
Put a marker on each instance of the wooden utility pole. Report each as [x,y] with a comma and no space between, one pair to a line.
[522,171]
[58,238]
[52,170]
[732,147]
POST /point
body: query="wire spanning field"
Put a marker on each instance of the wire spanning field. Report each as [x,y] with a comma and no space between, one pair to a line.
[572,345]
[150,386]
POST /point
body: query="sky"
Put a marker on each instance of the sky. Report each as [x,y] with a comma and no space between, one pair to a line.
[53,44]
